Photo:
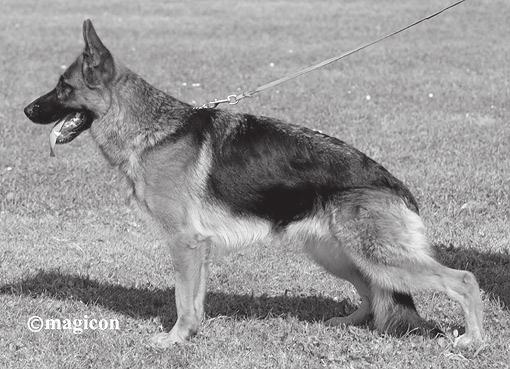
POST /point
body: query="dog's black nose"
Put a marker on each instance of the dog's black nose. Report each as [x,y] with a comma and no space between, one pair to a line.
[29,110]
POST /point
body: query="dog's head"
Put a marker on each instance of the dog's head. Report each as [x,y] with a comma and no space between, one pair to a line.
[82,93]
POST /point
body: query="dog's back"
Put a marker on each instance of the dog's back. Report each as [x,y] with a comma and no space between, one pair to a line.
[281,172]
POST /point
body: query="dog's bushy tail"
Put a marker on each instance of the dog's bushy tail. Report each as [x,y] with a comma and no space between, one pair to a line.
[395,313]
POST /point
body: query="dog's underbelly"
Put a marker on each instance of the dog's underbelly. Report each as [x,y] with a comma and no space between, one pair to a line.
[226,231]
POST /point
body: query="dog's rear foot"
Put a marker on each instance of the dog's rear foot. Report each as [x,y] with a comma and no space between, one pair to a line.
[468,340]
[361,315]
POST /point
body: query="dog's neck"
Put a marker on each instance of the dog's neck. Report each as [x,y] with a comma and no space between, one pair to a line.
[138,118]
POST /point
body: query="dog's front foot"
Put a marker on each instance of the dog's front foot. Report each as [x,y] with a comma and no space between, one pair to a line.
[164,340]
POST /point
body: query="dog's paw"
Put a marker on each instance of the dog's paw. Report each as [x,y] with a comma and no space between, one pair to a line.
[468,341]
[355,316]
[338,322]
[165,340]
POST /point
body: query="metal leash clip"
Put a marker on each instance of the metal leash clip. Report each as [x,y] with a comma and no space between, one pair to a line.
[231,100]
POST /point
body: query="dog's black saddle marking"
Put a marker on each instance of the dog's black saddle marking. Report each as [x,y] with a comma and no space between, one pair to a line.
[281,172]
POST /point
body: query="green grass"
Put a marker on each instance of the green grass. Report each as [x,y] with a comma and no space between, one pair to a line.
[70,247]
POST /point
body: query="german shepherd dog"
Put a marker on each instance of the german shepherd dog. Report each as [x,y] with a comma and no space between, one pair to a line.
[214,180]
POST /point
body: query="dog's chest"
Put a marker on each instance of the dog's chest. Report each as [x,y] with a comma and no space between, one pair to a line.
[162,181]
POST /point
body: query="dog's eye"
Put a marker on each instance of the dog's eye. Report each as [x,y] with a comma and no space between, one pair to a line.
[63,89]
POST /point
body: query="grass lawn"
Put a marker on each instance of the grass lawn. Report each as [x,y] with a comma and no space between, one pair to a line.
[430,105]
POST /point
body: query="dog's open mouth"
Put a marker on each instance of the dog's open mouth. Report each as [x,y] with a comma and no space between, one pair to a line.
[68,128]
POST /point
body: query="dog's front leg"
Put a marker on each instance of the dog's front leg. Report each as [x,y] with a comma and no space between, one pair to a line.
[190,258]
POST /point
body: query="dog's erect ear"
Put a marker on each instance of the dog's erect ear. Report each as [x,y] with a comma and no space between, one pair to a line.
[98,67]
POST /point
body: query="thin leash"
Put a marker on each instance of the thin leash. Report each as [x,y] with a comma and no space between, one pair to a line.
[234,99]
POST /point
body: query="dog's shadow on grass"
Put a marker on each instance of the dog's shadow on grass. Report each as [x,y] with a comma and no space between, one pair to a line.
[147,303]
[491,270]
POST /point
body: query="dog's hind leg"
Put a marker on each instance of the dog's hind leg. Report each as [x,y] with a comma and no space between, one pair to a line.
[330,256]
[387,243]
[190,261]
[363,313]
[459,285]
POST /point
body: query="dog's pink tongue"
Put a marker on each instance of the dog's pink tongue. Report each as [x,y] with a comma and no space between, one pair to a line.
[55,132]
